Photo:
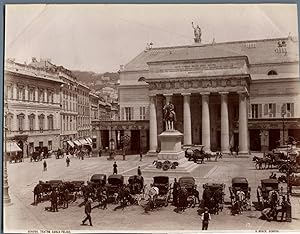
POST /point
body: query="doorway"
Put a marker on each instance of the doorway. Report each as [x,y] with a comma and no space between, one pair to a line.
[135,141]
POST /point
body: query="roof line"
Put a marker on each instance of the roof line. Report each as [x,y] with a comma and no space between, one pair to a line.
[221,43]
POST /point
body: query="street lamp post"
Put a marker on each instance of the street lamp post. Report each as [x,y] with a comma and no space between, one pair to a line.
[6,198]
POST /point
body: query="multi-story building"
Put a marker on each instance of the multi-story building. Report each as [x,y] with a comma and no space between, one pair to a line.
[83,105]
[243,94]
[68,100]
[32,107]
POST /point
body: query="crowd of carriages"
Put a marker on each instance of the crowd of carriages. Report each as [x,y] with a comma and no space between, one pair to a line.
[40,153]
[15,157]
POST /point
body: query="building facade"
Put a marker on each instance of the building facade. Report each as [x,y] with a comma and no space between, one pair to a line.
[243,95]
[47,107]
[32,107]
[84,118]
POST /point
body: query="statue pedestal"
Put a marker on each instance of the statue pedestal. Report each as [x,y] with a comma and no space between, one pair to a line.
[170,145]
[171,151]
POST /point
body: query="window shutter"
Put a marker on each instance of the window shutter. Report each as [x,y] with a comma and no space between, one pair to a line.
[265,109]
[274,109]
[122,113]
[260,111]
[132,113]
[292,109]
[141,112]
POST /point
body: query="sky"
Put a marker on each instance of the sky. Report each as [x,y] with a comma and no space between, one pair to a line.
[102,37]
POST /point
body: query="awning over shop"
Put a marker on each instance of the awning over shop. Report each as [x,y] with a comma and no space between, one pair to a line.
[84,142]
[71,143]
[12,147]
[88,139]
[78,143]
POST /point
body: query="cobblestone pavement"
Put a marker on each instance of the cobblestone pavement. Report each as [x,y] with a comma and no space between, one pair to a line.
[21,215]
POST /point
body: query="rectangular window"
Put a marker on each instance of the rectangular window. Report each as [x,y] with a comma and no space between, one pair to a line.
[31,94]
[41,123]
[41,95]
[49,145]
[21,122]
[254,111]
[31,123]
[272,110]
[289,109]
[127,113]
[142,112]
[21,93]
[8,122]
[50,122]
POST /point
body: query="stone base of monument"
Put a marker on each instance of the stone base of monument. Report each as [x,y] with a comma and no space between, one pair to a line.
[171,151]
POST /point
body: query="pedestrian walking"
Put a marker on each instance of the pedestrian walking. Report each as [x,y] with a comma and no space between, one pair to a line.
[54,197]
[115,170]
[124,154]
[141,156]
[175,192]
[205,219]
[87,211]
[139,172]
[68,161]
[45,165]
[100,152]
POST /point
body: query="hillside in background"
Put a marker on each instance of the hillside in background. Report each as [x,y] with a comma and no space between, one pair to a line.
[97,81]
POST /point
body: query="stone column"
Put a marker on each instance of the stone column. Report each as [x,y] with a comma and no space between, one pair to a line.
[187,129]
[243,126]
[153,125]
[205,122]
[224,123]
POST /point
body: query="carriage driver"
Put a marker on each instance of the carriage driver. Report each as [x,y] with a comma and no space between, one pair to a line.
[153,193]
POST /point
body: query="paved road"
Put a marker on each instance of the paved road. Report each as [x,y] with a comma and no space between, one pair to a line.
[24,176]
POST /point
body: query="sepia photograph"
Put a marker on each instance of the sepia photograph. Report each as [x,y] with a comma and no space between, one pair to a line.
[151,118]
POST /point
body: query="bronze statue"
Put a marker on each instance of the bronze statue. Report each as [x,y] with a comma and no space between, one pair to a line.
[197,33]
[169,116]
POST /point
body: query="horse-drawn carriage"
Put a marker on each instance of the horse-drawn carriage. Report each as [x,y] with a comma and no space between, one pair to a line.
[163,196]
[213,197]
[113,186]
[189,184]
[195,153]
[98,180]
[136,184]
[240,195]
[265,197]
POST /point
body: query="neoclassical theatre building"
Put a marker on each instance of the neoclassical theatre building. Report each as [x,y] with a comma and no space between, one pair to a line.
[241,94]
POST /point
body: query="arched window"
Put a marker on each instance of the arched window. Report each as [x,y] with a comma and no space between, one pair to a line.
[41,122]
[272,73]
[142,79]
[50,122]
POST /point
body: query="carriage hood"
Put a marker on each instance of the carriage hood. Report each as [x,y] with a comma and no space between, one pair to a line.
[161,179]
[98,178]
[186,181]
[115,179]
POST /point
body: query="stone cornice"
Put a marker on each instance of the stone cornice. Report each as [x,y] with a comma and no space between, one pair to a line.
[238,57]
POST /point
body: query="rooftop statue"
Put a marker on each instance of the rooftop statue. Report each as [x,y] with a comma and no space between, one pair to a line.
[197,33]
[169,116]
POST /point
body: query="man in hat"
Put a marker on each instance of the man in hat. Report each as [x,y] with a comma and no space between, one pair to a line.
[115,170]
[88,210]
[139,171]
[205,219]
